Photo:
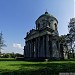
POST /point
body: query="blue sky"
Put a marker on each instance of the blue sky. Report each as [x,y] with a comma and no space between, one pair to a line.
[19,16]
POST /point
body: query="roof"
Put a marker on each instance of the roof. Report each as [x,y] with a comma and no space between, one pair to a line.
[47,15]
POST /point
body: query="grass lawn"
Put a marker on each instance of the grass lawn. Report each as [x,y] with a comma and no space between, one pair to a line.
[36,68]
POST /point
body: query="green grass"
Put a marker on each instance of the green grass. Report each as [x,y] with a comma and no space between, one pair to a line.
[7,59]
[36,68]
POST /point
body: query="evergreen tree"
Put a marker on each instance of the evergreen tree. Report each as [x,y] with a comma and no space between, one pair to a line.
[1,42]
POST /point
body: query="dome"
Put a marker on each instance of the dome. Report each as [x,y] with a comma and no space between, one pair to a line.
[46,14]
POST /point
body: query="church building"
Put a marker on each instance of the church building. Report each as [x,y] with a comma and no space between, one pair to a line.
[43,41]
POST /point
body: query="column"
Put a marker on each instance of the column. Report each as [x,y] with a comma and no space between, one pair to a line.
[32,50]
[43,46]
[40,53]
[30,47]
[24,51]
[38,47]
[50,46]
[28,50]
[47,46]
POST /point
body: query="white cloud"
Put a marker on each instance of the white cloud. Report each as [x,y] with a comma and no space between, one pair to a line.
[17,45]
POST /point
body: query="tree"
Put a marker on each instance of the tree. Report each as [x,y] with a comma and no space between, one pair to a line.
[62,39]
[63,45]
[71,36]
[1,42]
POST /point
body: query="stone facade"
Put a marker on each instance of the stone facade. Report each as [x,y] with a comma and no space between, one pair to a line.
[42,42]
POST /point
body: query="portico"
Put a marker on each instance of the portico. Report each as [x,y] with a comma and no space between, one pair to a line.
[42,42]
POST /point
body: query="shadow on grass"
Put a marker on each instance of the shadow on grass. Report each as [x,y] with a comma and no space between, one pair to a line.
[45,68]
[40,68]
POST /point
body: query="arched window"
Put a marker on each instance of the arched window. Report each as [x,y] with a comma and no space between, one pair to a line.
[55,26]
[38,26]
[49,24]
